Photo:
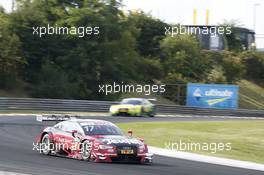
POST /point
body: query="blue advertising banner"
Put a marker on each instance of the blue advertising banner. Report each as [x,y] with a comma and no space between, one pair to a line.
[212,96]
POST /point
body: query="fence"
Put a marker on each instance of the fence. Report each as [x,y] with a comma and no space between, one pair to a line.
[34,104]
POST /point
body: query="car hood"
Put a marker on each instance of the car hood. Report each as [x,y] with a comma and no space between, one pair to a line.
[119,140]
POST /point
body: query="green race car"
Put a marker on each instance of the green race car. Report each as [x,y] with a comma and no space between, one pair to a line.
[133,107]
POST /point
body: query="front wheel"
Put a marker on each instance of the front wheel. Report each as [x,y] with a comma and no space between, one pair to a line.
[86,150]
[45,145]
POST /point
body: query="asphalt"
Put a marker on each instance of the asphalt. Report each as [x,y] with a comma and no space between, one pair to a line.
[17,135]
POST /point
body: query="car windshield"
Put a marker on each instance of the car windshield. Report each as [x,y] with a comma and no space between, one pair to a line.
[101,130]
[132,102]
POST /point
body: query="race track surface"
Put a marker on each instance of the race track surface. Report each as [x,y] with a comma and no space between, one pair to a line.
[18,133]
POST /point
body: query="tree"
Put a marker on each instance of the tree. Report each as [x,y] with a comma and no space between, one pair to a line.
[83,63]
[11,58]
[254,63]
[182,56]
[233,68]
[151,32]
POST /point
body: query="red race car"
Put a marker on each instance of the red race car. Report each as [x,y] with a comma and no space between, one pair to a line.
[90,140]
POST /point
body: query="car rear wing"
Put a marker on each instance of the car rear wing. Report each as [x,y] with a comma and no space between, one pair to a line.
[54,117]
[152,99]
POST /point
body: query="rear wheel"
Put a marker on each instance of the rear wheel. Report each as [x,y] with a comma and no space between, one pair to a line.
[153,112]
[151,115]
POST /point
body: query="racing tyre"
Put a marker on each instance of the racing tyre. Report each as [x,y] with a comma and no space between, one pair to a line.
[45,145]
[153,112]
[86,150]
[152,115]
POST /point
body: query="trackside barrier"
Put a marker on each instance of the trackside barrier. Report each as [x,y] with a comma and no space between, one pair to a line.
[36,104]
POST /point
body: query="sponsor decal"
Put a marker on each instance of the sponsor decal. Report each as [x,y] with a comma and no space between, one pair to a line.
[121,140]
[212,95]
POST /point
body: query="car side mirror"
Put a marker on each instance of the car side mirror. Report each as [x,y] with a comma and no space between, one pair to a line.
[74,132]
[142,140]
[130,133]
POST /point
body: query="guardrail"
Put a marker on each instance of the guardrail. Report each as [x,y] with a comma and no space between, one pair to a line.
[54,105]
[36,104]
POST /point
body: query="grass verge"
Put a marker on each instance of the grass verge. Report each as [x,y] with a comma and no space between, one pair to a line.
[246,137]
[251,95]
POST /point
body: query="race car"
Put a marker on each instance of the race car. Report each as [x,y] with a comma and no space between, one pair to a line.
[91,140]
[133,107]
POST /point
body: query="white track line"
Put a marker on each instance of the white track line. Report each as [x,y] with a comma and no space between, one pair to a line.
[10,173]
[206,116]
[206,159]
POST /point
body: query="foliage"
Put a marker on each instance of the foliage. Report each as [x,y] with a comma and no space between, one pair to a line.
[233,68]
[151,32]
[254,63]
[131,48]
[11,58]
[227,67]
[183,57]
